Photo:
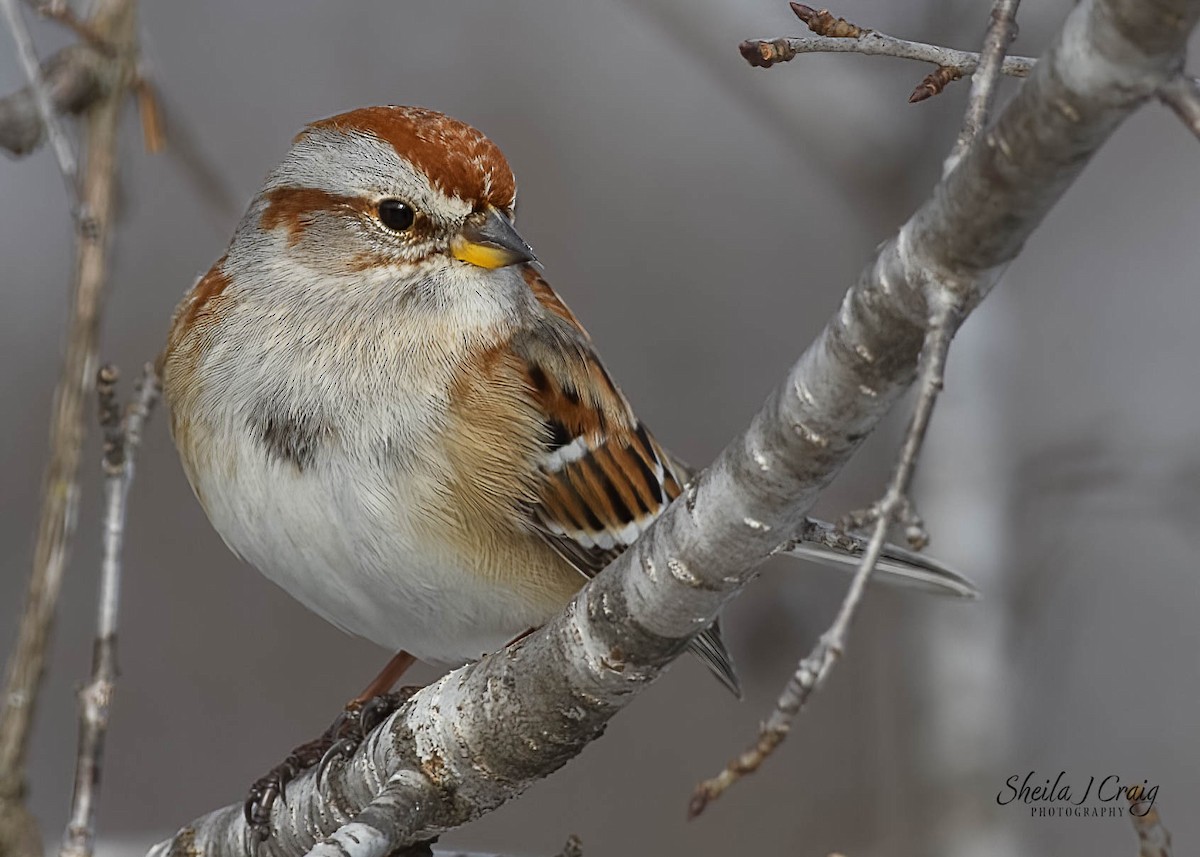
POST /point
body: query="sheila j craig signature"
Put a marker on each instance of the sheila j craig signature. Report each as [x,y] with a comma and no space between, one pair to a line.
[1064,798]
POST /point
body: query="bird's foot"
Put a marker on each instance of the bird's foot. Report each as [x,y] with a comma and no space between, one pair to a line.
[339,741]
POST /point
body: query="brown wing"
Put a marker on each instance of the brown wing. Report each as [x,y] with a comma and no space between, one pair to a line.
[604,477]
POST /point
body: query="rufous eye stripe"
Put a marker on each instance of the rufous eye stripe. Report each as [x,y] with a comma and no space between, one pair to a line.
[293,208]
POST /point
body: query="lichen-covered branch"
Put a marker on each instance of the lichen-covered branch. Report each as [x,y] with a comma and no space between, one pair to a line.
[482,734]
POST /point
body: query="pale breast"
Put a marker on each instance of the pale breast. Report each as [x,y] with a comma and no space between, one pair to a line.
[336,463]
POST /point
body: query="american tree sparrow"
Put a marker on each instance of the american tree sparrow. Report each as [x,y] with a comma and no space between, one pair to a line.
[383,406]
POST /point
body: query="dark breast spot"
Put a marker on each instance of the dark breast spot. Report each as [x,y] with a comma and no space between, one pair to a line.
[297,439]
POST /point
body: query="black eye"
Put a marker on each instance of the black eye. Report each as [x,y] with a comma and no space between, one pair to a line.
[397,215]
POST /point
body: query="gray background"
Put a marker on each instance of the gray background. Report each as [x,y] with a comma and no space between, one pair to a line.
[703,219]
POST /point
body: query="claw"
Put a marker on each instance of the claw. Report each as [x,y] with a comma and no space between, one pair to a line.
[341,749]
[339,741]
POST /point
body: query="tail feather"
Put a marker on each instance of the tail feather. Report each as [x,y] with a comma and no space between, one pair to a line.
[710,648]
[825,544]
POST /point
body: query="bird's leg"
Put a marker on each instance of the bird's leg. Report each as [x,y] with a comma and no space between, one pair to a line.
[361,714]
[391,673]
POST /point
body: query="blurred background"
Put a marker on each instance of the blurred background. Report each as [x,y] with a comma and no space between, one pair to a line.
[703,218]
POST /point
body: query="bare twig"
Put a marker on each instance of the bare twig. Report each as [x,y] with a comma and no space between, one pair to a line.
[895,506]
[67,164]
[1182,94]
[74,79]
[56,525]
[484,733]
[1000,33]
[1154,840]
[764,53]
[122,437]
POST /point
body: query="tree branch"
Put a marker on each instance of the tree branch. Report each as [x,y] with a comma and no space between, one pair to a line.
[1181,93]
[1000,33]
[74,79]
[764,53]
[484,733]
[60,493]
[63,152]
[123,436]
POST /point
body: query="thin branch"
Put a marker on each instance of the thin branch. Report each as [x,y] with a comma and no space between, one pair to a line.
[1000,34]
[74,79]
[764,53]
[67,165]
[1154,840]
[1182,94]
[895,506]
[484,733]
[123,436]
[60,493]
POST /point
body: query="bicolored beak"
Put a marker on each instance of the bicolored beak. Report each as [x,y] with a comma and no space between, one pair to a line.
[490,241]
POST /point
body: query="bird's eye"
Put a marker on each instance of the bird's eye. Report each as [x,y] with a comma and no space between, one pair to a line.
[396,214]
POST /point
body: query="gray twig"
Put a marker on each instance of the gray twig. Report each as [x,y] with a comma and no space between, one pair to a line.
[1182,94]
[1000,33]
[484,733]
[122,437]
[67,164]
[766,52]
[812,671]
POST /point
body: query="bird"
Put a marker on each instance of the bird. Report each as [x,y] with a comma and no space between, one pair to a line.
[382,405]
